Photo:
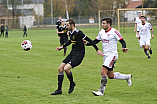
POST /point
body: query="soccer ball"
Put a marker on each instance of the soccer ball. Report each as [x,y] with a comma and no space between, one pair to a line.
[26,45]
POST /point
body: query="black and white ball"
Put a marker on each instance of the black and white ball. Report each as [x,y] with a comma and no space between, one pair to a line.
[26,45]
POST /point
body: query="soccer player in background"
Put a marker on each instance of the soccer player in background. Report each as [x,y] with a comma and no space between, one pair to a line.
[62,32]
[2,30]
[143,32]
[75,57]
[25,31]
[109,37]
[137,22]
[58,23]
[6,31]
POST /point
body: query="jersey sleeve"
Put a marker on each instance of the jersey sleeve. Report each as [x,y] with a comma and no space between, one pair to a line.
[118,36]
[82,35]
[136,20]
[98,37]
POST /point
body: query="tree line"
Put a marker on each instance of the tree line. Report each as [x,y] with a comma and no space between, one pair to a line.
[88,7]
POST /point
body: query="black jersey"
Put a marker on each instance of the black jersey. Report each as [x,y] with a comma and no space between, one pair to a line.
[58,23]
[63,35]
[76,39]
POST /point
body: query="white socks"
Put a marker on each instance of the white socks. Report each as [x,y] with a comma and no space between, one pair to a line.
[118,75]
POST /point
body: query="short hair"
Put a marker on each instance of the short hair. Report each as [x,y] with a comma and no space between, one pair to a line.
[143,17]
[71,21]
[108,20]
[139,12]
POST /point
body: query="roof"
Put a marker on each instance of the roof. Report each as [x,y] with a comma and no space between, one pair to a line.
[134,4]
[26,12]
[33,1]
[4,12]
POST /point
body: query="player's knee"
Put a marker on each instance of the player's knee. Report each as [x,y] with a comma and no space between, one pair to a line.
[60,69]
[110,77]
[146,48]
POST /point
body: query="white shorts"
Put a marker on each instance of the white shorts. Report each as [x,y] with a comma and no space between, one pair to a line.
[110,60]
[145,41]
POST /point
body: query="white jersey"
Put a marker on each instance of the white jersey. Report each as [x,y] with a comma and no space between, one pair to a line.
[144,30]
[138,20]
[109,40]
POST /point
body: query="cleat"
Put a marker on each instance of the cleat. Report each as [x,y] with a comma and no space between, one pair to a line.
[129,80]
[57,92]
[71,87]
[98,93]
[148,56]
[64,54]
[150,51]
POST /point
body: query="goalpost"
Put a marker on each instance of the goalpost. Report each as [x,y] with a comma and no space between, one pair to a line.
[126,17]
[137,9]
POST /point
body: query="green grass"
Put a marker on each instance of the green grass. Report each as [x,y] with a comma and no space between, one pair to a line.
[29,77]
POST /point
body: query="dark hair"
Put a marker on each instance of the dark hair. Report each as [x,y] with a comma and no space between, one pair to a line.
[143,17]
[71,21]
[139,12]
[108,20]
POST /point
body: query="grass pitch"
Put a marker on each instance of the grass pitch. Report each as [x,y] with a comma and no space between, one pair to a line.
[29,77]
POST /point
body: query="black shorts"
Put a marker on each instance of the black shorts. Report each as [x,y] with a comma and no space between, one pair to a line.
[74,59]
[63,40]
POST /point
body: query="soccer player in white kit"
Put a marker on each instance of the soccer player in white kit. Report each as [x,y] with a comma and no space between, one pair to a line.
[109,37]
[143,30]
[137,22]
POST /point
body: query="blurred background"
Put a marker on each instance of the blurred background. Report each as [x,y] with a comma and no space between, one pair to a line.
[45,13]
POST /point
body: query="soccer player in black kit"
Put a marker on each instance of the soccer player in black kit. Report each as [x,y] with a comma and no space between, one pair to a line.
[62,32]
[75,57]
[58,23]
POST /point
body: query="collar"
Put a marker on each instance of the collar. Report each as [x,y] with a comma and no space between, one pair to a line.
[108,30]
[73,31]
[144,23]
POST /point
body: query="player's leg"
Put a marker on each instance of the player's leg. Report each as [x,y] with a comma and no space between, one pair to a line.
[23,34]
[104,71]
[65,48]
[118,75]
[75,61]
[101,91]
[143,44]
[148,45]
[60,79]
[70,77]
[26,33]
[3,33]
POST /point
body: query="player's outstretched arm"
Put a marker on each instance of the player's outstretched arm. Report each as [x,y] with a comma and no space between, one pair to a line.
[93,44]
[59,48]
[124,49]
[152,33]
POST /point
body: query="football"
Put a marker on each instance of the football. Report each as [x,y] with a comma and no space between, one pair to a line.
[26,45]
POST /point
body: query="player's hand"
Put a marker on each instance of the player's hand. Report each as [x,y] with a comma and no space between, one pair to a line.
[153,36]
[100,53]
[126,50]
[134,30]
[138,37]
[59,48]
[85,42]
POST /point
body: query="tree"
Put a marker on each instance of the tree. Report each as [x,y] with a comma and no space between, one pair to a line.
[59,8]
